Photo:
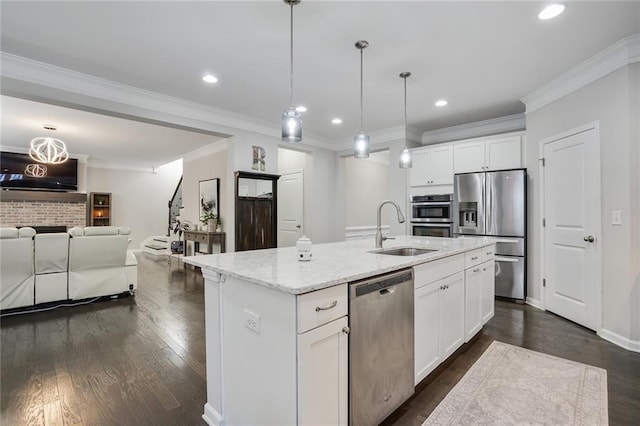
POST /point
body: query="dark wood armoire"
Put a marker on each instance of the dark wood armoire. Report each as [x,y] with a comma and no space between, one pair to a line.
[256,211]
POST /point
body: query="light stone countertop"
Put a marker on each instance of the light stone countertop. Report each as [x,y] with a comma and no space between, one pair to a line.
[331,264]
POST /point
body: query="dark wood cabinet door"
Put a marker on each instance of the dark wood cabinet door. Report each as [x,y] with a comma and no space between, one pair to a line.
[265,237]
[246,225]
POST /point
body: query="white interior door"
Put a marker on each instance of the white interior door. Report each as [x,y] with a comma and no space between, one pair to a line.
[571,192]
[290,210]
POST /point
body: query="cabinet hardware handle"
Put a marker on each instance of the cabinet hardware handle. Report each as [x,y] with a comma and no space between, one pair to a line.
[488,253]
[346,330]
[329,306]
[476,270]
[474,258]
[446,286]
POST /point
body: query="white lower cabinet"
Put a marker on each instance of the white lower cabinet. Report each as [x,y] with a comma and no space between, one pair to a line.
[488,291]
[322,375]
[472,300]
[439,322]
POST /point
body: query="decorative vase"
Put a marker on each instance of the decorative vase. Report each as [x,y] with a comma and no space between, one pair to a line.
[211,227]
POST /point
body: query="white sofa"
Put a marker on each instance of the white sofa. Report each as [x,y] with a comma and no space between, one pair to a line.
[83,263]
[17,276]
[99,263]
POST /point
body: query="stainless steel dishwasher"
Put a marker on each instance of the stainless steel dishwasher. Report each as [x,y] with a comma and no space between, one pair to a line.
[381,346]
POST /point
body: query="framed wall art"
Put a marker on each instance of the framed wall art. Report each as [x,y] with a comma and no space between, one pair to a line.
[209,196]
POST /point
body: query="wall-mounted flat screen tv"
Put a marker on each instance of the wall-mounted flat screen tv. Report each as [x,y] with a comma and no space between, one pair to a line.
[20,171]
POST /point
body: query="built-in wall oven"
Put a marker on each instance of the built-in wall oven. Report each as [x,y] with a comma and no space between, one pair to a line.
[432,215]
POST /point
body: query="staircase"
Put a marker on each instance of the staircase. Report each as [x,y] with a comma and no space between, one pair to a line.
[159,245]
[156,245]
[175,205]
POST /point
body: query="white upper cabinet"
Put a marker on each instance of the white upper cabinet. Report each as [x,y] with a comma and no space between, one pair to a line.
[495,153]
[432,166]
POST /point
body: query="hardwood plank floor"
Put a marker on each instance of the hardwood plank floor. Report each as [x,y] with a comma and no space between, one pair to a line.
[132,361]
[141,360]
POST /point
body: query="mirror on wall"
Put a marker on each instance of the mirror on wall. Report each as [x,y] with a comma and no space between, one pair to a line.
[252,187]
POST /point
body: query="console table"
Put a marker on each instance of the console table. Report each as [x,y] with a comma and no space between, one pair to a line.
[208,238]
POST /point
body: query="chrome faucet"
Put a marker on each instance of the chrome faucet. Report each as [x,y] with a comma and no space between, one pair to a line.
[379,237]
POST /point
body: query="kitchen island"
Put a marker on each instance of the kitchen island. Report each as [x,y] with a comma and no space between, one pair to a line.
[277,329]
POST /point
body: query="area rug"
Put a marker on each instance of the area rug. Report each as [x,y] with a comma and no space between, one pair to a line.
[509,385]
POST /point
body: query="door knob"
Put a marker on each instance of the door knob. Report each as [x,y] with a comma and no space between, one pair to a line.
[589,238]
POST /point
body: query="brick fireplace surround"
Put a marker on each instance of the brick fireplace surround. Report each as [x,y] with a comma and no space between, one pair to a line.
[42,208]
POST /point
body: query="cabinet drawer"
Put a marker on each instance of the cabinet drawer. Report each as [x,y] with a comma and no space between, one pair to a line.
[488,253]
[432,271]
[473,258]
[322,306]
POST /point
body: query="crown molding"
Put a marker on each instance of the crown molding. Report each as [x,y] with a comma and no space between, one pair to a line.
[385,136]
[494,126]
[61,79]
[618,55]
[212,148]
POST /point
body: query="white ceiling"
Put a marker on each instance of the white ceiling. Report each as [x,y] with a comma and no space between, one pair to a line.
[481,56]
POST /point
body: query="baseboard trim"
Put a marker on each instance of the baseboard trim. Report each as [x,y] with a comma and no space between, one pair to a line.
[616,339]
[534,302]
[211,416]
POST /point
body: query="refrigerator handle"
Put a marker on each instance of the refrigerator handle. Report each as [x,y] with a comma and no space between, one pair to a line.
[506,259]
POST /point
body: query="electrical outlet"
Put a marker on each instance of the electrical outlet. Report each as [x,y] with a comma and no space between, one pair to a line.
[616,217]
[252,321]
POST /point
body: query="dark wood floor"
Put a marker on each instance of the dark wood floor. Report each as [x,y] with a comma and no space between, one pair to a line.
[142,360]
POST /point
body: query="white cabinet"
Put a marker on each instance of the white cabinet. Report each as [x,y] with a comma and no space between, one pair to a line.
[487,304]
[432,166]
[479,291]
[322,375]
[494,153]
[472,300]
[438,312]
[452,314]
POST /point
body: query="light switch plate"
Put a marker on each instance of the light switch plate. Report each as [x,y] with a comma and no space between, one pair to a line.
[616,217]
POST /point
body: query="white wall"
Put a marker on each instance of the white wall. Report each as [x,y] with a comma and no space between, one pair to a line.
[319,169]
[397,189]
[613,102]
[366,186]
[139,198]
[210,166]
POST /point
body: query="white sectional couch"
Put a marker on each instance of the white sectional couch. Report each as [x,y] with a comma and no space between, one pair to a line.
[83,263]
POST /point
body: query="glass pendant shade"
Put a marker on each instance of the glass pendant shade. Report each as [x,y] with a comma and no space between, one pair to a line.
[405,154]
[405,158]
[291,126]
[361,145]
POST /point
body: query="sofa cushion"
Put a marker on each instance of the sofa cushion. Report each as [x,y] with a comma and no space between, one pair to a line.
[26,232]
[6,233]
[124,230]
[100,230]
[51,252]
[76,232]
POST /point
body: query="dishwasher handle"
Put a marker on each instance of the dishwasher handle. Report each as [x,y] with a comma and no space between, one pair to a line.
[380,284]
[387,291]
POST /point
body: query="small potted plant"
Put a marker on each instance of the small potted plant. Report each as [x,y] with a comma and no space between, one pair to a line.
[211,220]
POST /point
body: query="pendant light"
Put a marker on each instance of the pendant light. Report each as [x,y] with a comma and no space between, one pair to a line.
[48,150]
[361,140]
[405,155]
[291,119]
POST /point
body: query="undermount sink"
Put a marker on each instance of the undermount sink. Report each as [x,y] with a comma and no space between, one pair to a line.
[404,251]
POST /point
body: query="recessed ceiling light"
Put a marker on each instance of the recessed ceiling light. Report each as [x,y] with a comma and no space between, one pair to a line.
[441,103]
[301,108]
[209,78]
[337,121]
[551,11]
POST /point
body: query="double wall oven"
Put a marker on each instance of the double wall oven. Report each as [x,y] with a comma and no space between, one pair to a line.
[432,215]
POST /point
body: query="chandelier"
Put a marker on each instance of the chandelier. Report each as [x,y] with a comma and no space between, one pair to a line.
[48,150]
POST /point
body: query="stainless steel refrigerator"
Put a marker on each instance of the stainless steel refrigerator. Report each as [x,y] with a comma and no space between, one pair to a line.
[494,204]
